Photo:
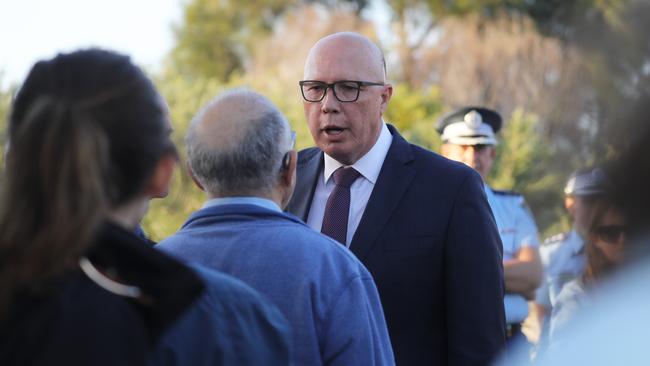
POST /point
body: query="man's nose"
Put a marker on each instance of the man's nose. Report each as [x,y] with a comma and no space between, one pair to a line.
[330,104]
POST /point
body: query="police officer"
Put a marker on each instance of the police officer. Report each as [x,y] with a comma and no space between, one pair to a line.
[563,254]
[468,136]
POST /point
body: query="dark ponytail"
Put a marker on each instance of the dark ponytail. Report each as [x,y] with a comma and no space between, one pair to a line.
[86,131]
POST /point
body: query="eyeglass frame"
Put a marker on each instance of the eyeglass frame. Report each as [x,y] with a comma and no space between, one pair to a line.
[604,232]
[359,83]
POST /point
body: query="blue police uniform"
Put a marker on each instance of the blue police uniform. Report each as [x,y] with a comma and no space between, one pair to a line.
[517,230]
[563,259]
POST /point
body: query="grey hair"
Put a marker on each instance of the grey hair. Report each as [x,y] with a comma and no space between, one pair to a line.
[247,163]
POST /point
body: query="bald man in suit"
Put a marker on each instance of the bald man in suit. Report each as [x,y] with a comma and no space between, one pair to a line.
[420,223]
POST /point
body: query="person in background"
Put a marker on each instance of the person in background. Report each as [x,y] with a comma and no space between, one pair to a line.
[469,136]
[612,328]
[563,255]
[605,244]
[240,152]
[420,223]
[89,148]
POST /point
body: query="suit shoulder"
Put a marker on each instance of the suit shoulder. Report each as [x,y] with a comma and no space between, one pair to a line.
[433,160]
[307,154]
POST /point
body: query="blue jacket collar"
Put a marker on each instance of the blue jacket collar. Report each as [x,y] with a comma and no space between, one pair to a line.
[242,209]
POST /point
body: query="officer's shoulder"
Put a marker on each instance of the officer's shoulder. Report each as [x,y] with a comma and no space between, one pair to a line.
[514,198]
[555,240]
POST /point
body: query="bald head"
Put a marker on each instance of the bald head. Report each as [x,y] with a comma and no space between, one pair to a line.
[235,144]
[351,48]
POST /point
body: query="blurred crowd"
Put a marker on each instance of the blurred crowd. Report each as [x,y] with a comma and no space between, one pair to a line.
[363,250]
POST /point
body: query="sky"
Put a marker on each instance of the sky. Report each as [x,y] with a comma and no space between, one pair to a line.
[31,30]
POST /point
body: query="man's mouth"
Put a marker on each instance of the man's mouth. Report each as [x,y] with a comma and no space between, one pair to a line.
[333,130]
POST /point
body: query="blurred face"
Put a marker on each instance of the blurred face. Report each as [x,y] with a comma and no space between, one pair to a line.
[579,209]
[478,157]
[609,236]
[346,131]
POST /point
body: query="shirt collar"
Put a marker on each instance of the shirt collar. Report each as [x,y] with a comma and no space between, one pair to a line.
[370,164]
[257,201]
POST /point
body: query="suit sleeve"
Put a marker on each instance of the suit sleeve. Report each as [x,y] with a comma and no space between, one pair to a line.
[474,285]
[355,332]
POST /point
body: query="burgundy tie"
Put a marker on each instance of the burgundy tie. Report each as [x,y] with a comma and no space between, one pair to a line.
[337,209]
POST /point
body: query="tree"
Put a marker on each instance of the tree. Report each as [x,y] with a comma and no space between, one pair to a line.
[216,38]
[522,166]
[6,96]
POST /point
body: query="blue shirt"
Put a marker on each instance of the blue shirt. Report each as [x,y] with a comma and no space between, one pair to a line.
[611,327]
[563,259]
[517,230]
[568,304]
[327,295]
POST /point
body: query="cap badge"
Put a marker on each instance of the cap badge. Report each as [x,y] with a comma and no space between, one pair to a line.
[473,120]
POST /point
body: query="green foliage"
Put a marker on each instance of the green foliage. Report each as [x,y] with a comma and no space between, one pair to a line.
[414,113]
[521,166]
[216,38]
[5,104]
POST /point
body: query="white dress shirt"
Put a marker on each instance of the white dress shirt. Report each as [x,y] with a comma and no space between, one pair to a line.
[368,166]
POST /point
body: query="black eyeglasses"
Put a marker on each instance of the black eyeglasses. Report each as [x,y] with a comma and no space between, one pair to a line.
[344,90]
[611,234]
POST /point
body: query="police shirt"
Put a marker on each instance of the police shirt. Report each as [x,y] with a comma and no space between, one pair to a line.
[517,229]
[563,260]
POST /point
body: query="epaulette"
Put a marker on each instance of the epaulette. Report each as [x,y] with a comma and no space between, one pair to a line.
[555,238]
[506,193]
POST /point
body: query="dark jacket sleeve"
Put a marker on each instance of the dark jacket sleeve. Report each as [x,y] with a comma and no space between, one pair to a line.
[474,282]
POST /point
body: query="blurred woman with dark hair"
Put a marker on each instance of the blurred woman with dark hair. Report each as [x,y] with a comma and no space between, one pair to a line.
[89,147]
[605,247]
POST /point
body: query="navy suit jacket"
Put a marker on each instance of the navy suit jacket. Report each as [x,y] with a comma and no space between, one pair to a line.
[430,241]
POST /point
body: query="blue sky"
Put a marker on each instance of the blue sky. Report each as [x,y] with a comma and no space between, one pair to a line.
[34,29]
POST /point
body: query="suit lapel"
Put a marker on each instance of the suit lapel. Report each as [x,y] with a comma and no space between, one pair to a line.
[310,164]
[394,179]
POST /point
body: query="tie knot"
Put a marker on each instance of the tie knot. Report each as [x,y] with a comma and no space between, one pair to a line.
[345,176]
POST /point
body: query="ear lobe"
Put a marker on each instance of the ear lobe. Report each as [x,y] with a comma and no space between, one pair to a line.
[160,180]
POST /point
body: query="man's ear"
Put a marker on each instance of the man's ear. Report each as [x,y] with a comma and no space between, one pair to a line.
[196,181]
[569,204]
[160,180]
[385,97]
[444,150]
[289,169]
[288,179]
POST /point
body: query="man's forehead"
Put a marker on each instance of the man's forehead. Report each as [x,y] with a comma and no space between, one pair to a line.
[344,58]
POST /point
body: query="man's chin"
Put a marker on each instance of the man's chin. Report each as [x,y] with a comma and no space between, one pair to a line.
[338,153]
